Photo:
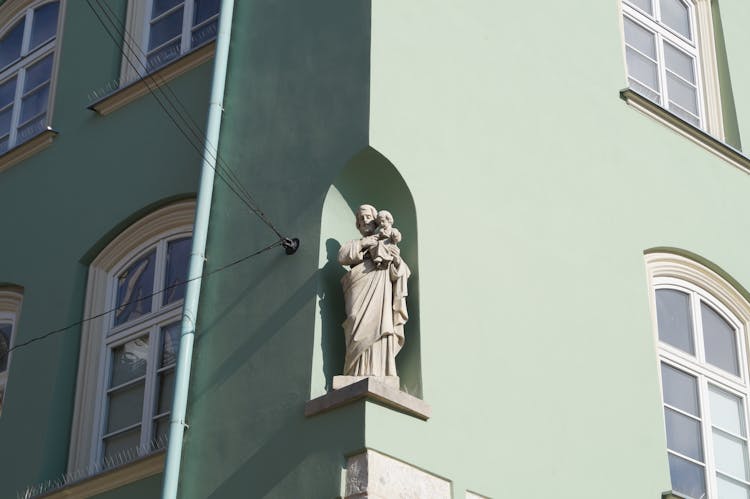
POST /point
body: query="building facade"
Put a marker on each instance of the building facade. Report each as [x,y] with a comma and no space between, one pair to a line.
[571,189]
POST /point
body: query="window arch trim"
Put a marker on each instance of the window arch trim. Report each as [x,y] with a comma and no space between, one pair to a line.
[172,219]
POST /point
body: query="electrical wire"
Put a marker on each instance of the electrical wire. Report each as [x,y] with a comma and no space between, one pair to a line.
[146,297]
[222,170]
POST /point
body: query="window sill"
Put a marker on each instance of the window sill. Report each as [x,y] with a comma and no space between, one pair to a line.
[703,139]
[28,148]
[142,86]
[110,479]
[671,495]
[375,391]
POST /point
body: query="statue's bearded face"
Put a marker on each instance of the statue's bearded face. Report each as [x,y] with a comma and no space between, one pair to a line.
[365,221]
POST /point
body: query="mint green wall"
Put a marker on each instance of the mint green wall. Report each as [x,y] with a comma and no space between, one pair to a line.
[56,210]
[537,190]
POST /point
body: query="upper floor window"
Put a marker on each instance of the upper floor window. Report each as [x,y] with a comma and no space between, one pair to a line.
[27,47]
[702,324]
[670,58]
[128,352]
[165,30]
[10,307]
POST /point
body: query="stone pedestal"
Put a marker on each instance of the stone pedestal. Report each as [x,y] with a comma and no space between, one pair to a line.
[389,381]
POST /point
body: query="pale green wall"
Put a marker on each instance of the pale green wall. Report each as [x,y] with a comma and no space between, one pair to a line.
[537,190]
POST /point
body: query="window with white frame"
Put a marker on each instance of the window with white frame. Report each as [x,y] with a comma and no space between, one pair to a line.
[165,30]
[126,372]
[701,324]
[671,60]
[27,60]
[10,307]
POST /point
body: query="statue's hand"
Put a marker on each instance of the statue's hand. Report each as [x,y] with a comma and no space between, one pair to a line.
[369,241]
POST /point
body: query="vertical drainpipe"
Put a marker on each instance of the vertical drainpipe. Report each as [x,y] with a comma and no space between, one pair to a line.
[200,233]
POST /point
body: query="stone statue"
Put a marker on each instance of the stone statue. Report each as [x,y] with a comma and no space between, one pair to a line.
[375,299]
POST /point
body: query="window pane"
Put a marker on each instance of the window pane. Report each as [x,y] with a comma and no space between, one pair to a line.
[693,120]
[178,255]
[687,478]
[166,391]
[5,121]
[640,38]
[730,454]
[7,92]
[204,34]
[204,9]
[3,145]
[679,62]
[44,25]
[642,69]
[163,56]
[10,45]
[34,104]
[129,361]
[161,6]
[644,5]
[676,15]
[644,91]
[720,341]
[683,434]
[134,285]
[680,390]
[673,318]
[161,432]
[729,489]
[5,333]
[125,407]
[33,128]
[37,74]
[170,344]
[121,443]
[726,411]
[165,29]
[682,94]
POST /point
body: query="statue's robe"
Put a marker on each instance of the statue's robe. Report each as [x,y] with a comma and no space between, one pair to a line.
[375,301]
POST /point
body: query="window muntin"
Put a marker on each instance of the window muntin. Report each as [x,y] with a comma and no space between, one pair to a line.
[704,392]
[26,73]
[176,27]
[140,347]
[662,56]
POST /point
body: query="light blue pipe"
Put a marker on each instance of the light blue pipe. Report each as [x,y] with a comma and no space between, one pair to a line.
[200,233]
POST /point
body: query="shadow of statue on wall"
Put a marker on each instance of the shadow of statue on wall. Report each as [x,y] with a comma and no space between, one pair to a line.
[332,313]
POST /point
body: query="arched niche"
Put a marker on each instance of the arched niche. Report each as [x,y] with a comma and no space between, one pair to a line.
[368,178]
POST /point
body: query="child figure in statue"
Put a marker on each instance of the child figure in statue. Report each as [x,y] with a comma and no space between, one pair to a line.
[388,236]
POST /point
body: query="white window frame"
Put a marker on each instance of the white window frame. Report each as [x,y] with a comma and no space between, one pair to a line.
[11,298]
[137,31]
[11,12]
[170,222]
[670,271]
[703,48]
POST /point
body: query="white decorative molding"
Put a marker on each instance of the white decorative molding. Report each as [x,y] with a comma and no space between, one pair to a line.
[141,86]
[11,298]
[703,139]
[373,475]
[177,217]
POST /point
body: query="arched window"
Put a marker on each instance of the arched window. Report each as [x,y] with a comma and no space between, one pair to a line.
[701,326]
[27,61]
[670,58]
[126,373]
[10,308]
